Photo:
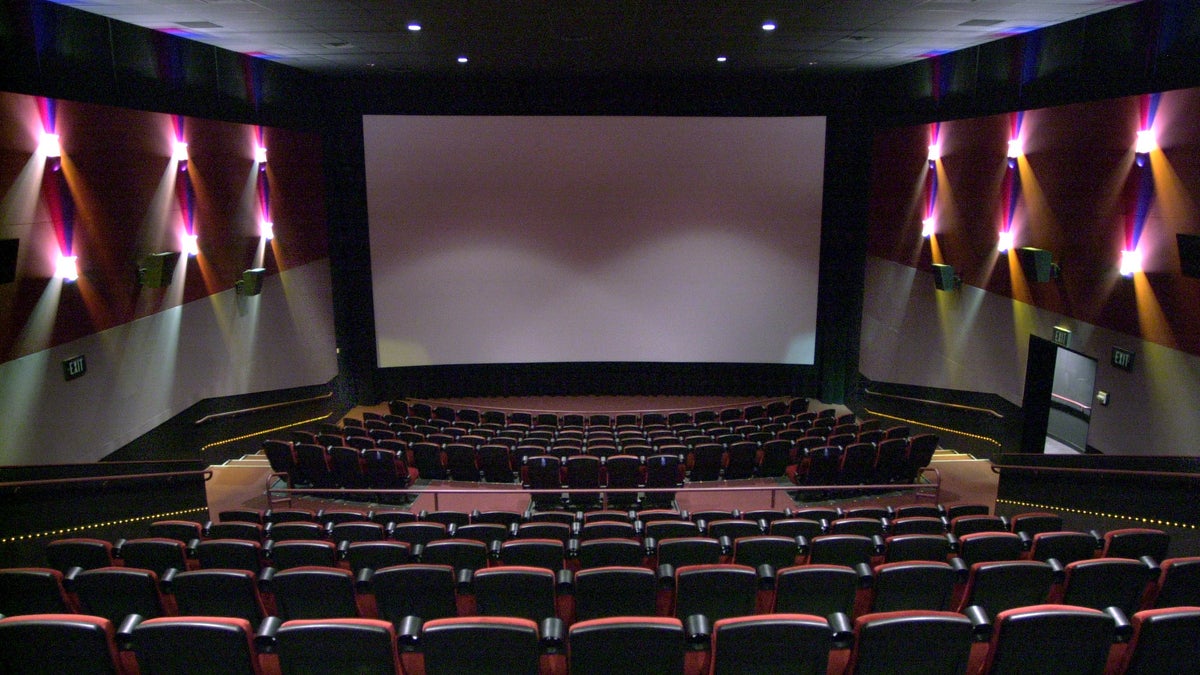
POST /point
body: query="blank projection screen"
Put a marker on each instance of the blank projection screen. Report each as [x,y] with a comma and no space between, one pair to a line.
[587,239]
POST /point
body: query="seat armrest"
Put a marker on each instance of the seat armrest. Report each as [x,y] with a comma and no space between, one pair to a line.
[841,631]
[766,577]
[697,630]
[564,582]
[1060,573]
[651,545]
[887,523]
[552,634]
[265,577]
[190,549]
[702,525]
[880,544]
[666,577]
[961,571]
[267,547]
[69,578]
[264,637]
[452,530]
[462,582]
[1152,567]
[1026,540]
[205,527]
[415,552]
[801,544]
[117,546]
[512,530]
[866,575]
[494,549]
[1124,629]
[166,583]
[726,544]
[343,548]
[572,548]
[981,623]
[362,580]
[952,540]
[125,631]
[1098,537]
[408,634]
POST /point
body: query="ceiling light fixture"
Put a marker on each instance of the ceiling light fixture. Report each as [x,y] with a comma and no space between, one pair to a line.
[768,26]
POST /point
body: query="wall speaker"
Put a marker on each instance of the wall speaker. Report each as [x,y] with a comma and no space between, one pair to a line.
[158,269]
[1189,254]
[251,282]
[8,260]
[1038,264]
[944,278]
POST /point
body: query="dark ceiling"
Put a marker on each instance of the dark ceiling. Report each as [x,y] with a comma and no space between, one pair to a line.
[593,37]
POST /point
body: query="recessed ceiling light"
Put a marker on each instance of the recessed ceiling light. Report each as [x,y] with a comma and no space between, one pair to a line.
[722,59]
[414,26]
[462,59]
[768,25]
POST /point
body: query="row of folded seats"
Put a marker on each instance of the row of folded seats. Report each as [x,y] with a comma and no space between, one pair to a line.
[357,539]
[852,453]
[720,632]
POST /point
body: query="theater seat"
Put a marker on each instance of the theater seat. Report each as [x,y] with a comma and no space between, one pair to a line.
[33,590]
[1163,641]
[614,591]
[59,643]
[772,644]
[181,645]
[359,646]
[480,646]
[626,645]
[931,643]
[1055,639]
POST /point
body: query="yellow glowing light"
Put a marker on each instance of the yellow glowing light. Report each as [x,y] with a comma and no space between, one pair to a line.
[1005,241]
[67,268]
[49,145]
[1131,262]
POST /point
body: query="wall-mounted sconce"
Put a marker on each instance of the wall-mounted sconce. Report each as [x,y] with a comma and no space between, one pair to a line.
[1131,262]
[1038,264]
[1014,151]
[935,153]
[50,146]
[1144,144]
[927,227]
[267,230]
[180,155]
[157,269]
[191,245]
[1005,241]
[67,267]
[944,278]
[251,282]
[260,156]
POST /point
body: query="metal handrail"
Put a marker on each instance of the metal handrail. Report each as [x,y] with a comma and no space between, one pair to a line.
[206,473]
[260,408]
[996,468]
[958,406]
[917,488]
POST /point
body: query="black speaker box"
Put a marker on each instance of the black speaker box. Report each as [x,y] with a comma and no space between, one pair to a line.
[8,260]
[1038,263]
[943,277]
[157,269]
[1189,254]
[251,283]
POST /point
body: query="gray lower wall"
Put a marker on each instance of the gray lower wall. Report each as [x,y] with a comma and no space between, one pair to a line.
[142,373]
[977,341]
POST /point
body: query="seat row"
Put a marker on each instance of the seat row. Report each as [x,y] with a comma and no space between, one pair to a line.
[1043,638]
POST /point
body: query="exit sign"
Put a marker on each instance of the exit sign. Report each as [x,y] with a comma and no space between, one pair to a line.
[74,367]
[1122,358]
